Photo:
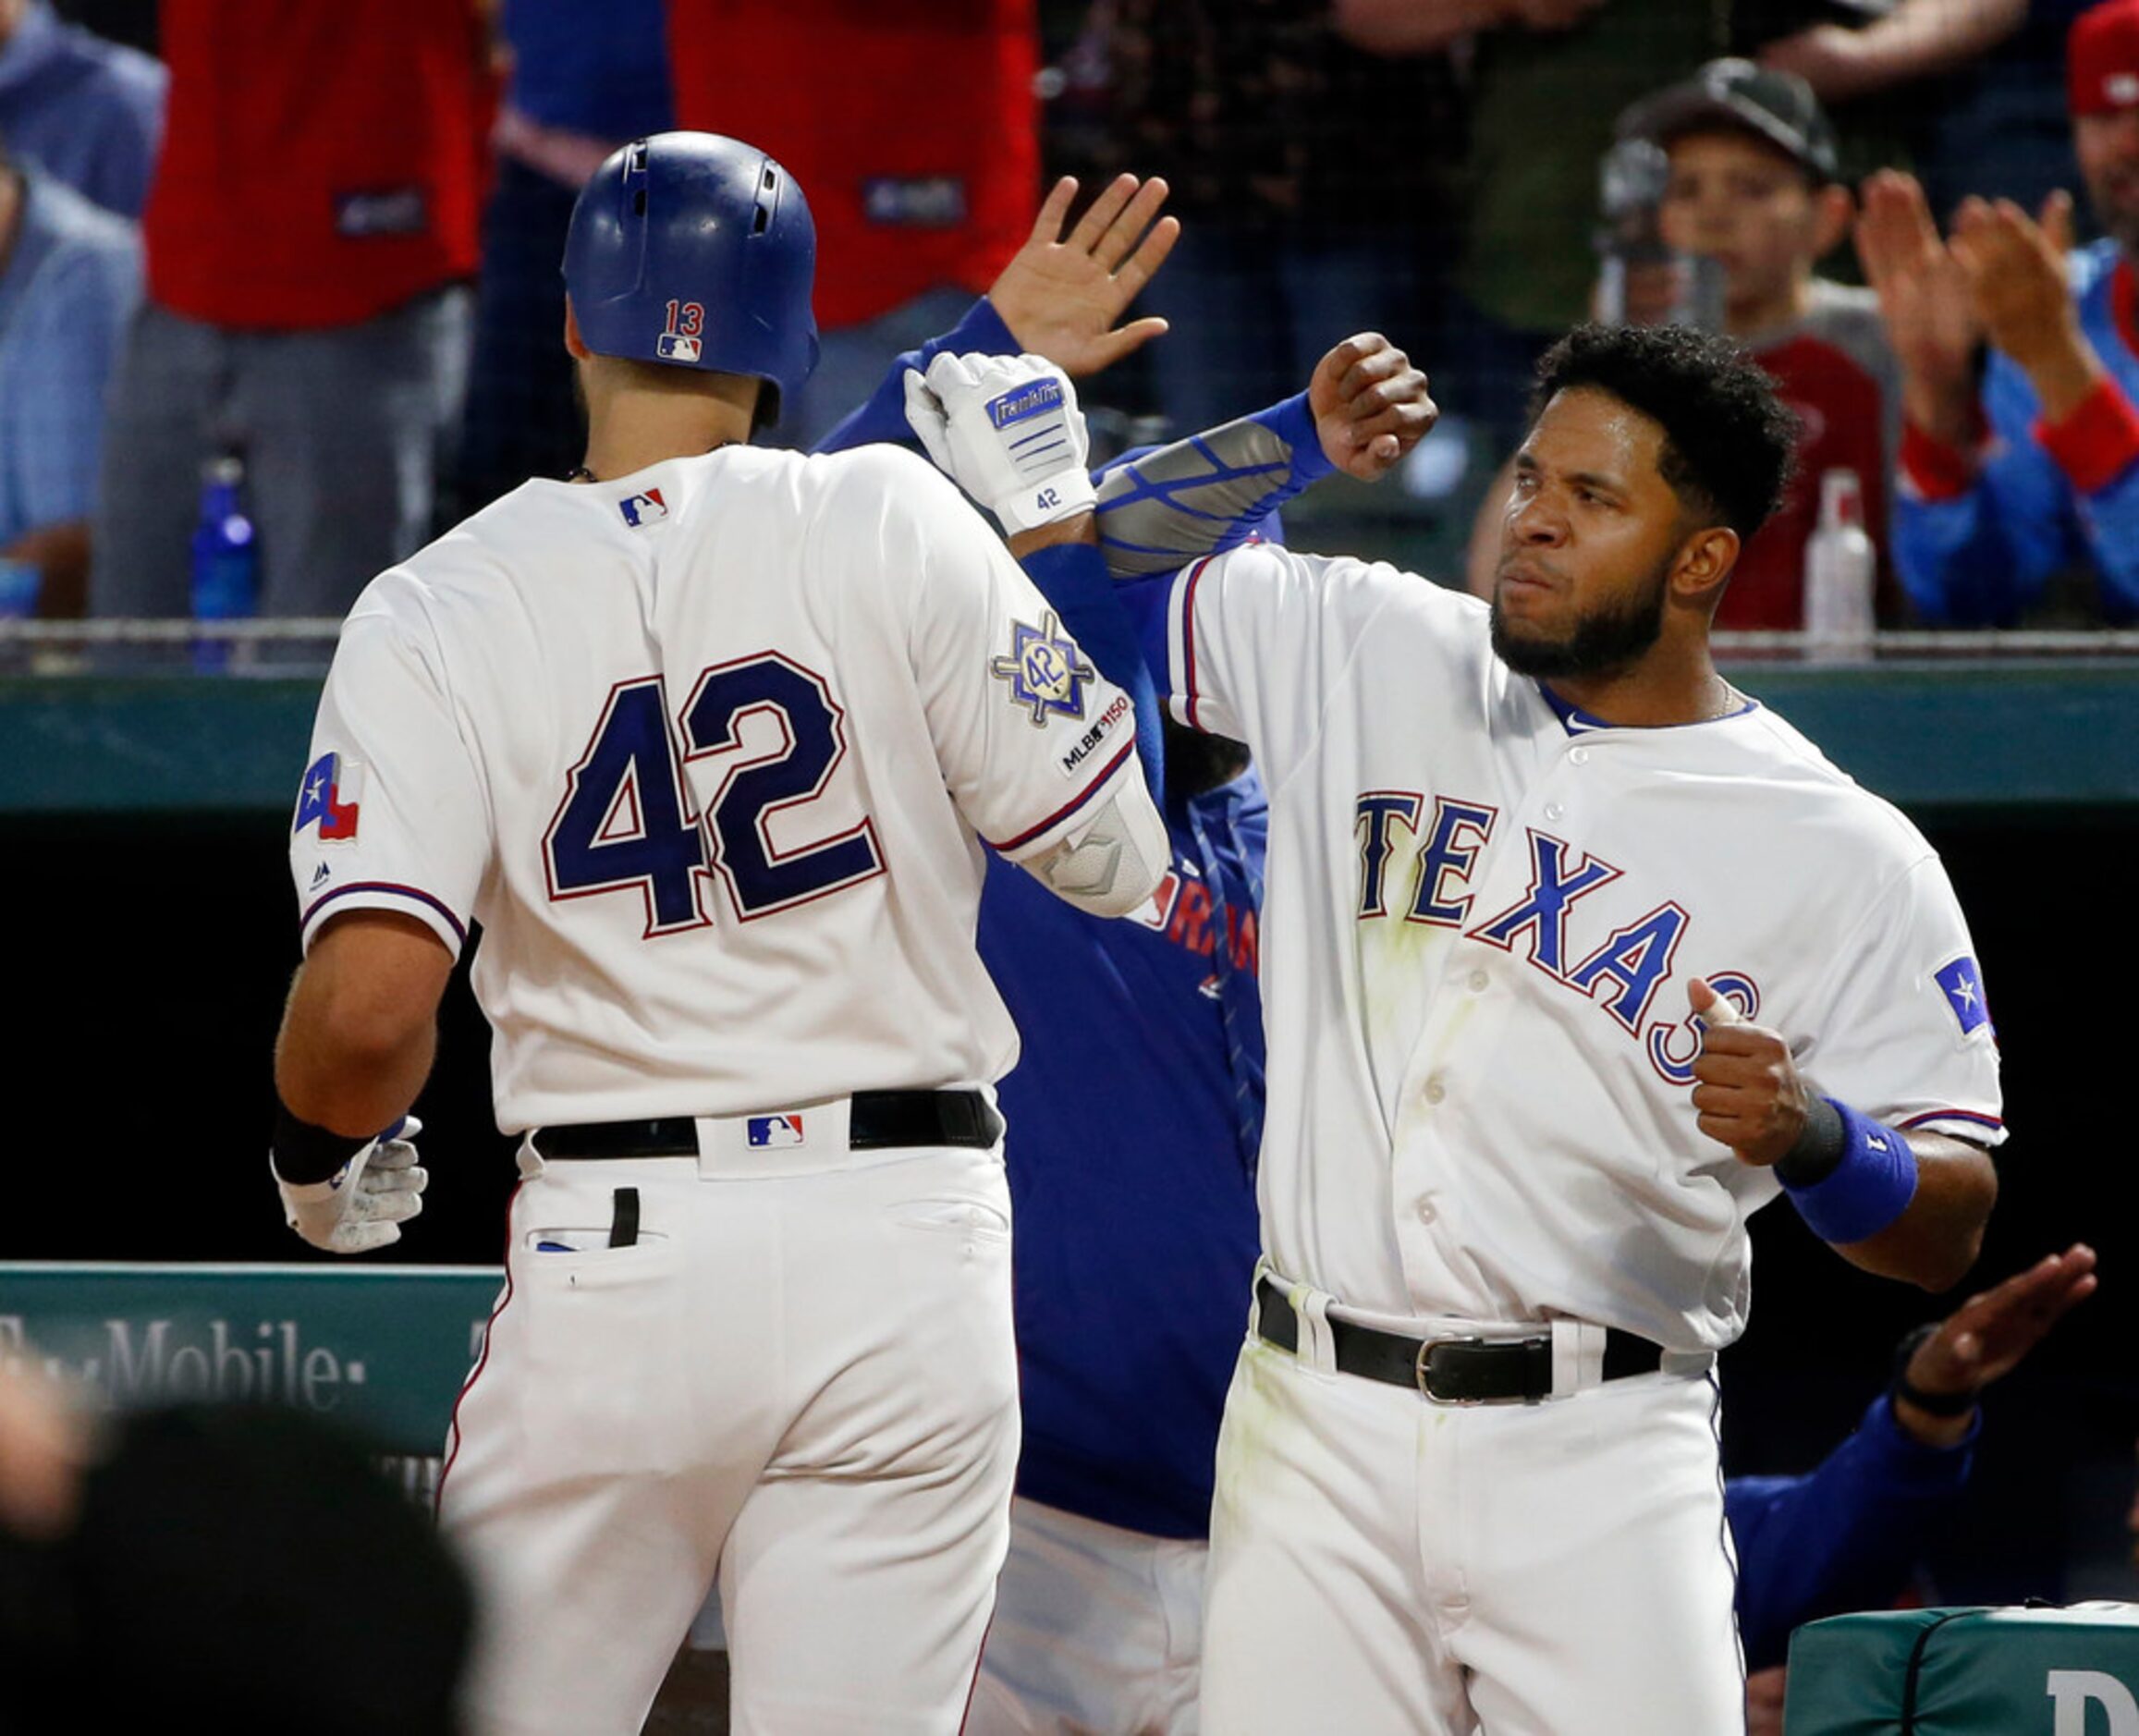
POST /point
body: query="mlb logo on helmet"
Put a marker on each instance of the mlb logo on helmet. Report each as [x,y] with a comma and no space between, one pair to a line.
[675,346]
[767,1130]
[1034,400]
[643,509]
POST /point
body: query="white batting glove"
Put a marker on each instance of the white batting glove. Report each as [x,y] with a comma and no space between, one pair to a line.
[1007,431]
[363,1204]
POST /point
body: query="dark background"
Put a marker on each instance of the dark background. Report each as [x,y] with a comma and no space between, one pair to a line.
[153,955]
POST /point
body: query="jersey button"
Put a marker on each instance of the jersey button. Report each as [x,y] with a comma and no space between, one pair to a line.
[1580,757]
[1554,809]
[1434,1091]
[1478,982]
[1426,1212]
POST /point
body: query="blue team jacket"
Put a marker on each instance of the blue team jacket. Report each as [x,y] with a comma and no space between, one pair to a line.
[1134,1205]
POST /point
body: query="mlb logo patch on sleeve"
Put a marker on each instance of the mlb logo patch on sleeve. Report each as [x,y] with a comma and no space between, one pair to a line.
[1963,987]
[766,1131]
[329,797]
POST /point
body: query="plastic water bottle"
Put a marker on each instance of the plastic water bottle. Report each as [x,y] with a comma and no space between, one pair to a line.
[1840,568]
[226,557]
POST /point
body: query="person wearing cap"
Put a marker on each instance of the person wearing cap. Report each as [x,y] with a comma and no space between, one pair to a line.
[2035,472]
[1753,186]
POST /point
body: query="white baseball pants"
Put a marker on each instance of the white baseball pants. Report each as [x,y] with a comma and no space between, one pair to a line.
[1384,1566]
[1096,1629]
[807,1382]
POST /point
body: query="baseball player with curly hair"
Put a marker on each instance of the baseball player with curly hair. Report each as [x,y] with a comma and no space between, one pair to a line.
[1573,955]
[703,737]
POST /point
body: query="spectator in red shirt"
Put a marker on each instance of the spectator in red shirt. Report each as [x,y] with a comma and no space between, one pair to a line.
[914,127]
[1752,185]
[308,233]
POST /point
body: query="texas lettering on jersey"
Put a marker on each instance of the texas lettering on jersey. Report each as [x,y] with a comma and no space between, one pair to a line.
[1620,973]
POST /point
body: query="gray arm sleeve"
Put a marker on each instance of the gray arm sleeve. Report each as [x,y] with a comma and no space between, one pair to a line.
[1161,511]
[1115,861]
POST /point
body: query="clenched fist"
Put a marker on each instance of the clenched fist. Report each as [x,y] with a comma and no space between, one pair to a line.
[1749,1093]
[1370,406]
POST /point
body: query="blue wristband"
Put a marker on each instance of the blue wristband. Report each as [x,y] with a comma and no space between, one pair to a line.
[1293,424]
[1867,1190]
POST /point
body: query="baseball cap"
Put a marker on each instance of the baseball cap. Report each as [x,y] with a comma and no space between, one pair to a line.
[2102,59]
[1777,107]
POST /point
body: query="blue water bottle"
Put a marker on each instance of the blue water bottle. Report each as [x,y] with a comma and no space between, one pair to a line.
[226,557]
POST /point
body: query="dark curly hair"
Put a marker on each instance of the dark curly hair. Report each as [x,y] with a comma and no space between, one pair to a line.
[1730,442]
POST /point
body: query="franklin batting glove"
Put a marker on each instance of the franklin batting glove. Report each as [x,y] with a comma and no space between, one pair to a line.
[363,1204]
[1007,431]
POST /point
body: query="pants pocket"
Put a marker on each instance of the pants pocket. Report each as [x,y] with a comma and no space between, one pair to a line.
[607,1387]
[977,1219]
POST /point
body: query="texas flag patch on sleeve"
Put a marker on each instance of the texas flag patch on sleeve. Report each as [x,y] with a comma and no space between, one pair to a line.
[1963,987]
[329,797]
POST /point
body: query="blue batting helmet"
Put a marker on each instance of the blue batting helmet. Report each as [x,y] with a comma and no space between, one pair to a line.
[695,250]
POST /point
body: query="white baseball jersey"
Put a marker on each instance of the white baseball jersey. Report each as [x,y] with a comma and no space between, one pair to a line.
[1481,915]
[704,749]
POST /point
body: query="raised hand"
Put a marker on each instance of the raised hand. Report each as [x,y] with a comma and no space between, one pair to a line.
[1007,431]
[1925,302]
[1987,1336]
[1370,406]
[1060,297]
[2015,270]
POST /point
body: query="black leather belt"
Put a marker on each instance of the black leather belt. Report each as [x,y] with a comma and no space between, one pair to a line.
[1453,1371]
[876,1120]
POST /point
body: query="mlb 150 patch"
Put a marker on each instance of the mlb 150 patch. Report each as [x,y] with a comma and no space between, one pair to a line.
[1075,760]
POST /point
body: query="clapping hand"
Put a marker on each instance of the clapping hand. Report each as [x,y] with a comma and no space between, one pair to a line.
[1925,304]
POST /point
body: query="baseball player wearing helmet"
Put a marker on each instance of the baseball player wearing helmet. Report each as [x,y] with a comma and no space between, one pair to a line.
[703,738]
[1574,957]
